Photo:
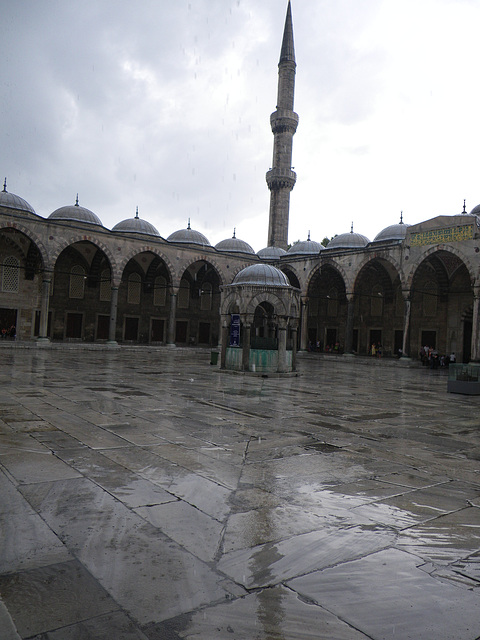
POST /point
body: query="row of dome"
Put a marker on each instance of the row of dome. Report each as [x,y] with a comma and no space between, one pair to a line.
[349,240]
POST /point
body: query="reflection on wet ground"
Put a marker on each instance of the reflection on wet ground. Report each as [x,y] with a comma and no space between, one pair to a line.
[145,495]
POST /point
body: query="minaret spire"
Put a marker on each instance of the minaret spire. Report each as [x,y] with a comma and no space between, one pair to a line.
[281,178]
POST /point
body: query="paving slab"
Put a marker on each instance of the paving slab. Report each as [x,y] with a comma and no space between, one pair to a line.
[182,522]
[111,626]
[388,597]
[270,613]
[41,600]
[272,563]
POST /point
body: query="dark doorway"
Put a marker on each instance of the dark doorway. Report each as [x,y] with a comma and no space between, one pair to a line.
[103,327]
[375,337]
[467,340]
[74,325]
[8,318]
[355,340]
[181,331]
[429,339]
[204,333]
[331,337]
[158,328]
[131,329]
[398,342]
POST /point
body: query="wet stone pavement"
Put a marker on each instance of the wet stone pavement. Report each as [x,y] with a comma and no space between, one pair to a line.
[145,495]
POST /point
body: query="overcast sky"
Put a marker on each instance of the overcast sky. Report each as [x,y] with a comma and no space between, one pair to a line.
[166,105]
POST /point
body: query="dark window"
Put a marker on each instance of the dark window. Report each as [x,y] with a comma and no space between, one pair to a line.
[429,339]
[204,333]
[181,331]
[74,325]
[103,327]
[131,328]
[158,327]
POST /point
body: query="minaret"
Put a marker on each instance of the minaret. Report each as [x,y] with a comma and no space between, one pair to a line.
[281,179]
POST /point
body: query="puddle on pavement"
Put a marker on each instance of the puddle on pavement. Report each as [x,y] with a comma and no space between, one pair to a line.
[322,447]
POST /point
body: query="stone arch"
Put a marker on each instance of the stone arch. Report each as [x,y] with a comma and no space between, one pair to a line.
[288,267]
[199,258]
[330,263]
[267,296]
[231,299]
[370,258]
[440,285]
[413,268]
[68,242]
[382,275]
[146,249]
[33,237]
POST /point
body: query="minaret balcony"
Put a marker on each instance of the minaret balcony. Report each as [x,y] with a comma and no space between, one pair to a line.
[283,120]
[278,178]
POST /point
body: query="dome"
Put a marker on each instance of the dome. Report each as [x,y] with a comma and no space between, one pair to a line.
[188,235]
[77,213]
[235,245]
[475,211]
[348,241]
[11,201]
[393,232]
[136,225]
[271,253]
[262,274]
[306,247]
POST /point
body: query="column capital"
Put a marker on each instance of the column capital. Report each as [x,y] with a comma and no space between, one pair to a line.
[476,290]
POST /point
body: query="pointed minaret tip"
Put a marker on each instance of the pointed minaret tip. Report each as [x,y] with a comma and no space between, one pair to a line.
[76,201]
[287,53]
[5,186]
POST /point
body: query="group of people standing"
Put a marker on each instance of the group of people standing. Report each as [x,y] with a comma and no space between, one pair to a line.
[431,358]
[376,350]
[9,333]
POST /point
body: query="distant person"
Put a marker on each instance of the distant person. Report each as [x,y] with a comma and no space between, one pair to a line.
[453,357]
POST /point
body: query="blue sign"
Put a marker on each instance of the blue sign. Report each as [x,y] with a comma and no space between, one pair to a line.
[235,330]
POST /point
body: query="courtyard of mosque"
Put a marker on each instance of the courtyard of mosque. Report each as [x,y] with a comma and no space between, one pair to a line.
[147,495]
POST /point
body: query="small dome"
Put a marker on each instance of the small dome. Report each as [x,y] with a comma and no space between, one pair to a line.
[235,245]
[136,225]
[348,241]
[393,232]
[262,274]
[11,201]
[77,213]
[188,235]
[306,247]
[475,211]
[271,253]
